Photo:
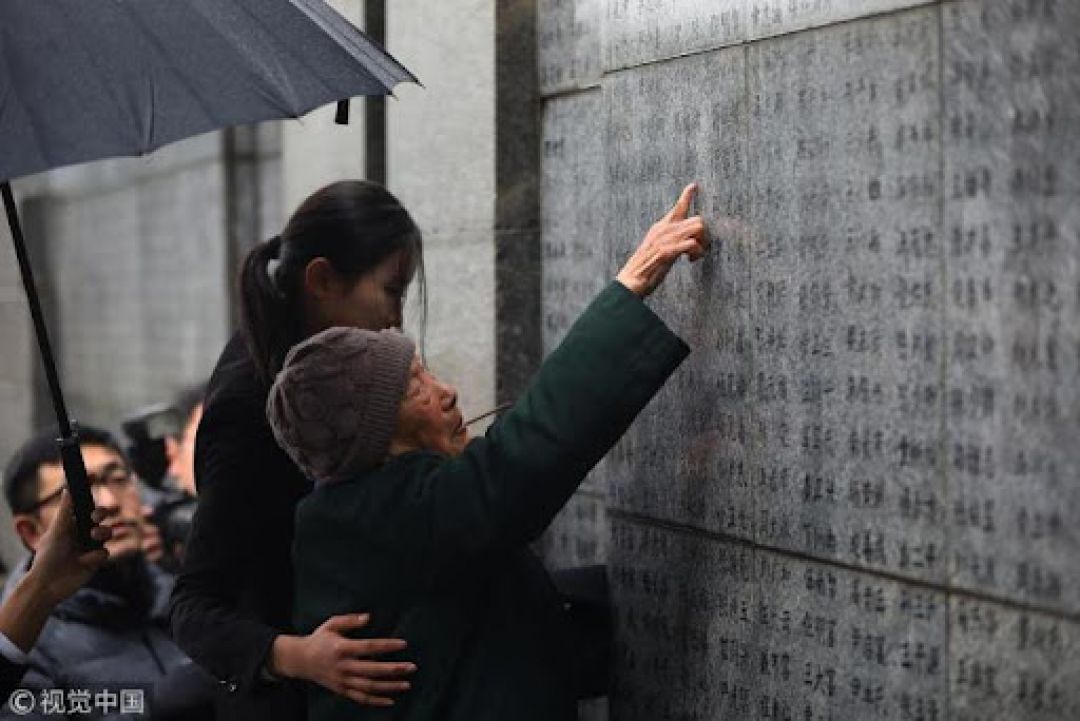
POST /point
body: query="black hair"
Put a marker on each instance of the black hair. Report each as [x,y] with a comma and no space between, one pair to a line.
[21,473]
[355,225]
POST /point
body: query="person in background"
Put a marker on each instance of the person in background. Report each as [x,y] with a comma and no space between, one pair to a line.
[345,257]
[59,568]
[411,517]
[181,449]
[109,631]
[170,507]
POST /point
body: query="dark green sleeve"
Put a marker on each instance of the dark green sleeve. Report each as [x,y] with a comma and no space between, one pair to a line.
[506,487]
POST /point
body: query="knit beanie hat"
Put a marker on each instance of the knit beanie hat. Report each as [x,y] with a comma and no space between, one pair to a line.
[334,406]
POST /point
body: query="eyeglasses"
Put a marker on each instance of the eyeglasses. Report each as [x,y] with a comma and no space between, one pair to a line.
[114,475]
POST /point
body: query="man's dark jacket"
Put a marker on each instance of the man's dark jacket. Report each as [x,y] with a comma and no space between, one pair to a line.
[436,548]
[234,592]
[98,638]
[10,675]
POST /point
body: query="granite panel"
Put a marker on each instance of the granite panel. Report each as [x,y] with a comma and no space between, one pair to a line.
[1006,663]
[639,31]
[518,339]
[686,458]
[1012,233]
[579,534]
[842,645]
[847,295]
[685,642]
[568,40]
[571,211]
[857,499]
[710,629]
[518,265]
[574,267]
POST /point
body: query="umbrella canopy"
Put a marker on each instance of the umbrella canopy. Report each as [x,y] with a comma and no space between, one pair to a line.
[88,79]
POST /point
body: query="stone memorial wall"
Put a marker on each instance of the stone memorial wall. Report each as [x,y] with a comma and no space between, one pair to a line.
[859,497]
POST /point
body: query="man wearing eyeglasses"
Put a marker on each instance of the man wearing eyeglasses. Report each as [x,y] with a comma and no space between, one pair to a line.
[110,634]
[33,485]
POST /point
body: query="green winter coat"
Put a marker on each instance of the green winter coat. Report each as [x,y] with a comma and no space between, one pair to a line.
[435,548]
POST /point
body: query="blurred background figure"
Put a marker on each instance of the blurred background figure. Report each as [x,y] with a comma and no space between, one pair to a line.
[181,447]
[162,449]
[112,628]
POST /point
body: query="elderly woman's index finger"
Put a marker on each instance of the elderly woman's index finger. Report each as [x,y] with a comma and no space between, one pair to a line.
[682,205]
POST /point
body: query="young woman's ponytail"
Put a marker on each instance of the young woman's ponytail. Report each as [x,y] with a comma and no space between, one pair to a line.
[269,321]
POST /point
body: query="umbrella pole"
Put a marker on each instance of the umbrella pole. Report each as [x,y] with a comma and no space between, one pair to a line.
[74,468]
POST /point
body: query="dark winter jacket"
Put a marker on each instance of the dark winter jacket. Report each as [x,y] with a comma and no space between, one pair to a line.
[234,592]
[11,674]
[103,639]
[436,548]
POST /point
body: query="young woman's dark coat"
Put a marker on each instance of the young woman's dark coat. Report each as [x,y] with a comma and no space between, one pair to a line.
[235,590]
[436,548]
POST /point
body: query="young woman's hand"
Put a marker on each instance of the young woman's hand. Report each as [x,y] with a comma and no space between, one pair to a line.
[336,662]
[669,238]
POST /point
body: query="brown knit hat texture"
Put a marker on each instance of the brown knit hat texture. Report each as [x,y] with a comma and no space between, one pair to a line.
[334,406]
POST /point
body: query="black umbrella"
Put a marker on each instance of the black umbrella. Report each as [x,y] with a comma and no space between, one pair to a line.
[87,79]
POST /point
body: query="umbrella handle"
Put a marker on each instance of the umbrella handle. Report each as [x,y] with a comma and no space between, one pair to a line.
[79,488]
[74,468]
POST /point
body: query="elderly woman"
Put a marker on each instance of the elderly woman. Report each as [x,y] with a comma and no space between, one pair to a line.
[429,529]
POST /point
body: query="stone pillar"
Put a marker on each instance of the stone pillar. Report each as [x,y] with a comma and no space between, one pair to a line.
[441,162]
[252,197]
[518,337]
[315,150]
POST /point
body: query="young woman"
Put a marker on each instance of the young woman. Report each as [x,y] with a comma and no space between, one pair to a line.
[345,258]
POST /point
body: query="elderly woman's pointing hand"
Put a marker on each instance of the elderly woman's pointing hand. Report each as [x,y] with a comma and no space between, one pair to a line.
[668,239]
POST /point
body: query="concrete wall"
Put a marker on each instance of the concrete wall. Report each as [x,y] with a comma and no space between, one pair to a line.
[135,260]
[136,254]
[17,356]
[134,275]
